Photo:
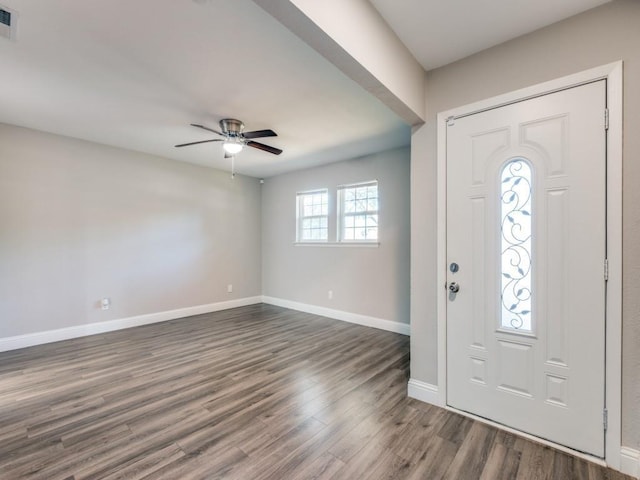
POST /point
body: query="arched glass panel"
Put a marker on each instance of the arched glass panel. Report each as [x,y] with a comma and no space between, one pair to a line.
[516,216]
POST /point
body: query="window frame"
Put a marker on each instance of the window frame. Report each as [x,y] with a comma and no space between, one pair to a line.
[342,214]
[300,217]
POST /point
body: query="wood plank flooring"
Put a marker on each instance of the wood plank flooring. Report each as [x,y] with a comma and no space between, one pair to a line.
[253,393]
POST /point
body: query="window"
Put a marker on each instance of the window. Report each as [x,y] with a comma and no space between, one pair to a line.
[313,216]
[516,248]
[358,219]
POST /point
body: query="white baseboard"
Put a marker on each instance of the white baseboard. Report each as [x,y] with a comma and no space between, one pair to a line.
[365,320]
[425,392]
[630,461]
[39,338]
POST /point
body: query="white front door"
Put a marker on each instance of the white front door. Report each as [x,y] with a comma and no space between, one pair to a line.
[526,231]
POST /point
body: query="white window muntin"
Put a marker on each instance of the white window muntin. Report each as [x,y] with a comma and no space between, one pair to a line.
[358,212]
[312,216]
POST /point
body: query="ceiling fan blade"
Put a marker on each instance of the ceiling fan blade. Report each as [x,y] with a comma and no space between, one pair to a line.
[266,148]
[260,134]
[201,141]
[207,129]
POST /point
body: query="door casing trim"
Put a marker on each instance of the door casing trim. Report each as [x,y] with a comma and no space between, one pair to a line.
[613,73]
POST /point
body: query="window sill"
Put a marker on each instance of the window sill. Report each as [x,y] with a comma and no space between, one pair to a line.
[337,244]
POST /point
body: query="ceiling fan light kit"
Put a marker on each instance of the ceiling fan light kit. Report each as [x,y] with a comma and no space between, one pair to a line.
[232,146]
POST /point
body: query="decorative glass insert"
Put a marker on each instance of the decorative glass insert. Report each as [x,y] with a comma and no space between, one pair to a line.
[359,212]
[313,216]
[516,212]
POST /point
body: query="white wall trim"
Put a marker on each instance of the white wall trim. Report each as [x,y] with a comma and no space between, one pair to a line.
[425,392]
[48,336]
[613,74]
[630,461]
[338,244]
[367,321]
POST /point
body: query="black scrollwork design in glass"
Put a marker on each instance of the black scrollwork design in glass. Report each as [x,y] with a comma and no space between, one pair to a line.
[516,215]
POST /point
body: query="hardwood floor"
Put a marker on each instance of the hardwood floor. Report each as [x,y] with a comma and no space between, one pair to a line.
[252,393]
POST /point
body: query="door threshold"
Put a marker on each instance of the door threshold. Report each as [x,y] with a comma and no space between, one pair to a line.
[576,453]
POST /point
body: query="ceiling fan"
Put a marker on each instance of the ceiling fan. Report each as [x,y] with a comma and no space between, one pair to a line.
[235,138]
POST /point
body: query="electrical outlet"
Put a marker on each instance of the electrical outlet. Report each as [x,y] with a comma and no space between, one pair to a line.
[330,294]
[229,288]
[105,303]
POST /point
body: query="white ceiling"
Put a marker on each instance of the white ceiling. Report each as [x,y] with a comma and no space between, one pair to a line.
[438,32]
[135,74]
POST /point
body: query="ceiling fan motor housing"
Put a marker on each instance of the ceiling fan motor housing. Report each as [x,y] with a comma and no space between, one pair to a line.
[231,126]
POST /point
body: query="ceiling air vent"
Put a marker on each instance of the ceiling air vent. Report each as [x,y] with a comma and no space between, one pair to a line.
[8,19]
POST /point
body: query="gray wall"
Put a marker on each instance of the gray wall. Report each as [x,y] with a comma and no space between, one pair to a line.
[367,281]
[80,221]
[597,37]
